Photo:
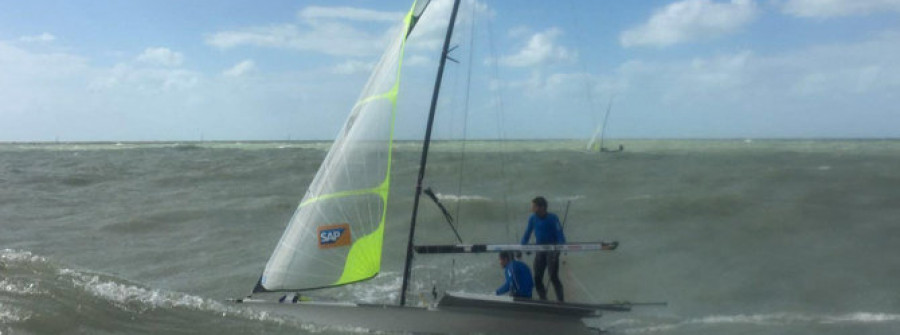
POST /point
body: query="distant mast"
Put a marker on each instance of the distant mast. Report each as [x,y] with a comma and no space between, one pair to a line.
[605,121]
[596,142]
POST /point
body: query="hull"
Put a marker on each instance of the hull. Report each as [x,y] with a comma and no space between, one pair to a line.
[450,319]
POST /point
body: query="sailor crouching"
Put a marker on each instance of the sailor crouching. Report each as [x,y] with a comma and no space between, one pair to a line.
[518,277]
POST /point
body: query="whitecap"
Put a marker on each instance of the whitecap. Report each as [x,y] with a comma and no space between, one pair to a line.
[462,197]
[775,319]
[19,288]
[9,314]
[130,297]
[863,317]
[19,256]
[574,197]
[378,291]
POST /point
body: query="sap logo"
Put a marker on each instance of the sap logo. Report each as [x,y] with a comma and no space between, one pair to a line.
[334,235]
[331,235]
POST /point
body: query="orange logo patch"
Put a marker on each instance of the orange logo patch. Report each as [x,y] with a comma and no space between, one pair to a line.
[331,236]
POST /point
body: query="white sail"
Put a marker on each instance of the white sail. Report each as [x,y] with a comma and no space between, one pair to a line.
[595,144]
[335,235]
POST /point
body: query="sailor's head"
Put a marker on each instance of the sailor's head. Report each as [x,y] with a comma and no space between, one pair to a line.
[539,205]
[505,258]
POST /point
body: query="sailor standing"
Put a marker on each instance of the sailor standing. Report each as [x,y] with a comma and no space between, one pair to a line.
[547,230]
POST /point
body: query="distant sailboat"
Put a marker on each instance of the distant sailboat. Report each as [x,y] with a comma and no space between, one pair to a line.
[336,234]
[595,144]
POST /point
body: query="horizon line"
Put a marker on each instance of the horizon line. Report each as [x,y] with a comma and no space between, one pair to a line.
[460,140]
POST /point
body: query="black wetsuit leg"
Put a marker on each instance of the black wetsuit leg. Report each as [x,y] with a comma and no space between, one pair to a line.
[553,263]
[540,264]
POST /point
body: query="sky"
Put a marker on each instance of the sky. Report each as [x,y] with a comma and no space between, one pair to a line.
[167,70]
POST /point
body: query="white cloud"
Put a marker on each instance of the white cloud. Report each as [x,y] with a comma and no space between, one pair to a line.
[541,48]
[240,69]
[348,13]
[45,37]
[328,30]
[336,39]
[155,70]
[417,60]
[430,31]
[690,20]
[32,81]
[814,91]
[49,94]
[835,90]
[19,61]
[161,56]
[519,31]
[835,8]
[353,67]
[145,80]
[347,31]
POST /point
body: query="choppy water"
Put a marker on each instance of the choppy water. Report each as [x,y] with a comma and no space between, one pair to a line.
[740,237]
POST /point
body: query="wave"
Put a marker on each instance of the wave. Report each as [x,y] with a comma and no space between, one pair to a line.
[574,197]
[432,278]
[8,256]
[634,326]
[11,262]
[9,314]
[461,197]
[129,297]
[186,146]
[19,287]
[382,289]
[92,300]
[476,197]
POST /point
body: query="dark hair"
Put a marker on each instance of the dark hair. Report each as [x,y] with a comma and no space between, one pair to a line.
[540,202]
[507,255]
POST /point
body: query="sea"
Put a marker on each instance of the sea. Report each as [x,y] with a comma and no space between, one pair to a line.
[743,236]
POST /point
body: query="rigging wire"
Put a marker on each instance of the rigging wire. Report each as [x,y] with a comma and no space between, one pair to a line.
[592,105]
[465,124]
[501,131]
[588,87]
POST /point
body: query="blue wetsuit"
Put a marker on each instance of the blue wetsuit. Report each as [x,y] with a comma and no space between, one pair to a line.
[547,230]
[518,280]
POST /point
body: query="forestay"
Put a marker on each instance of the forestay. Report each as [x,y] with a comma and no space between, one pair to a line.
[335,235]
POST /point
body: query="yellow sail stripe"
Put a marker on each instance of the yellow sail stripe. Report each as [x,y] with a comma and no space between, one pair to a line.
[380,189]
[364,259]
[390,95]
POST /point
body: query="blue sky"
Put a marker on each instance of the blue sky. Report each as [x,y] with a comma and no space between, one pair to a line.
[228,70]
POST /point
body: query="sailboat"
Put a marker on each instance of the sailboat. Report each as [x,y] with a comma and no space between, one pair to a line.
[595,144]
[335,236]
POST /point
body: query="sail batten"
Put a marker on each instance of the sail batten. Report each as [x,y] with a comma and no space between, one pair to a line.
[336,234]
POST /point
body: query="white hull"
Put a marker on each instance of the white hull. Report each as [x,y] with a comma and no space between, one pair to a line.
[438,320]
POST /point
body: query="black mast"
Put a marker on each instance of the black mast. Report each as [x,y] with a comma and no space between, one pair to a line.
[434,98]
